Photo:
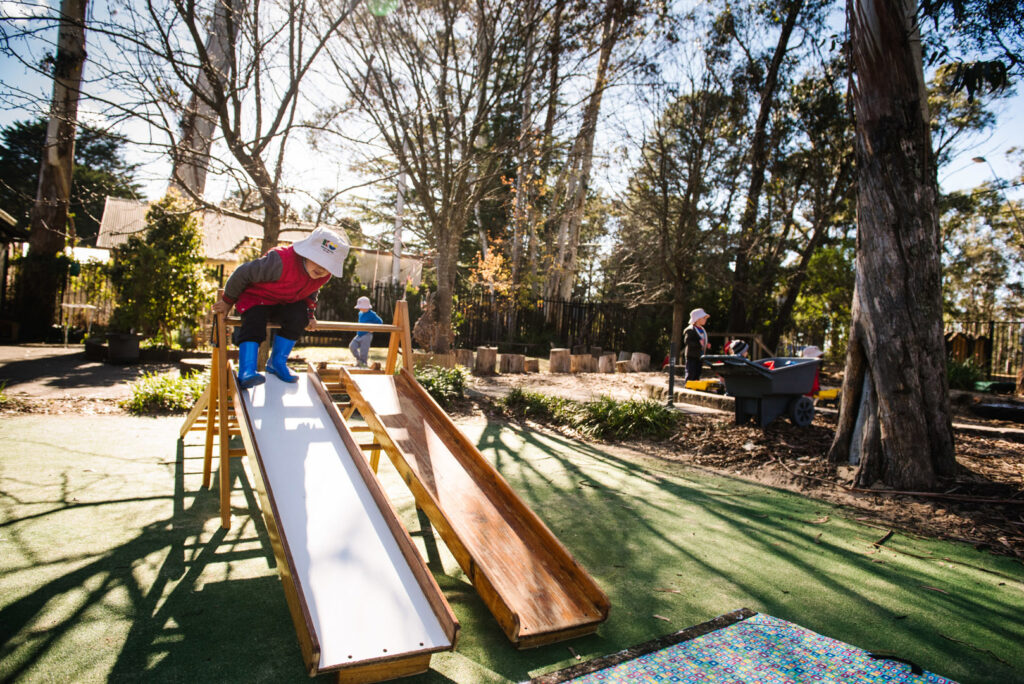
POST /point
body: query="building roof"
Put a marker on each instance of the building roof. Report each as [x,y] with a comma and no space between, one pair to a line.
[225,237]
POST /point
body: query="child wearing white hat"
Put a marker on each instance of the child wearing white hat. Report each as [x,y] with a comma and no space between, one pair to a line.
[360,344]
[695,343]
[281,285]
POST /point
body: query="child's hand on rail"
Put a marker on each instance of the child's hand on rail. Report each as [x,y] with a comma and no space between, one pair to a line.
[312,325]
[221,307]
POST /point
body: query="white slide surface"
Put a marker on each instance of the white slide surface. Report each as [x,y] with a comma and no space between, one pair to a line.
[363,599]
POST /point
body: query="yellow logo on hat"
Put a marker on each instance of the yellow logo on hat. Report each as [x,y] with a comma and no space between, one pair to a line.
[329,246]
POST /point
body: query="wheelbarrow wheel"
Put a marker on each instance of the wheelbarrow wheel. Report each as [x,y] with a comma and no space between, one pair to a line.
[801,411]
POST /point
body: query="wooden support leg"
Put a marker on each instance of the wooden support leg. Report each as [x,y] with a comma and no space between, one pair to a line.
[223,437]
[211,418]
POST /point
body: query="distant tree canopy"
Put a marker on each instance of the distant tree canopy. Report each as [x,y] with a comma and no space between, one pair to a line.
[100,170]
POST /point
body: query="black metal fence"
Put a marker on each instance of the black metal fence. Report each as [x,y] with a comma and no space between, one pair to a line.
[996,347]
[534,326]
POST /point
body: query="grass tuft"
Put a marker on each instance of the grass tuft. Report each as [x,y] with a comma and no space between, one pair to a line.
[445,385]
[604,418]
[154,393]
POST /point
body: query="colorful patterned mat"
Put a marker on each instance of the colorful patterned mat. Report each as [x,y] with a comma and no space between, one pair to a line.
[754,648]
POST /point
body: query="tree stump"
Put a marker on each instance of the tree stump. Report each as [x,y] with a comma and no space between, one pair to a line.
[596,352]
[1020,383]
[624,356]
[623,367]
[531,365]
[579,349]
[641,362]
[606,364]
[581,363]
[559,361]
[486,359]
[512,363]
[464,357]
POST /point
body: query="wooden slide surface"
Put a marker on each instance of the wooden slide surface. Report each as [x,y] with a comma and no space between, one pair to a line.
[359,592]
[532,584]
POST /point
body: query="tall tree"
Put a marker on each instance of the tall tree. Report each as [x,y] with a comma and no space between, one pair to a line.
[246,88]
[895,418]
[100,169]
[424,82]
[49,228]
[758,160]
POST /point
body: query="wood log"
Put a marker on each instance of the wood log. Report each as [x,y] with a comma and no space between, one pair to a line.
[579,349]
[431,359]
[641,362]
[596,352]
[531,365]
[624,356]
[1020,383]
[578,363]
[512,363]
[623,367]
[464,357]
[606,364]
[558,361]
[486,360]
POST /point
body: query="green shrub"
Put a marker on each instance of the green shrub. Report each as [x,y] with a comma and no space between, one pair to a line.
[445,385]
[604,418]
[3,392]
[540,407]
[154,393]
[963,374]
[607,418]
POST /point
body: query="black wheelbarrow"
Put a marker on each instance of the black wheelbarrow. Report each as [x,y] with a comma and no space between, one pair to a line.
[768,388]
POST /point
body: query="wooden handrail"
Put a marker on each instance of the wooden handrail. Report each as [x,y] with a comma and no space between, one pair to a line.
[333,326]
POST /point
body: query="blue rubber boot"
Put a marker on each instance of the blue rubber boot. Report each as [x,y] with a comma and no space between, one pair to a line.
[247,375]
[277,363]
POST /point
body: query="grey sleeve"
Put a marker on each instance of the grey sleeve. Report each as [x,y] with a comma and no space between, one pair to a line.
[263,270]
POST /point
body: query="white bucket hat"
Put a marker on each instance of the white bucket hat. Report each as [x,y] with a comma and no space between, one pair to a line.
[363,303]
[326,248]
[696,315]
[811,352]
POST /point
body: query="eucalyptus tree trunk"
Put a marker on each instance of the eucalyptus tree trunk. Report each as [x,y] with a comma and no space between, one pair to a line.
[741,290]
[191,154]
[50,228]
[576,180]
[895,404]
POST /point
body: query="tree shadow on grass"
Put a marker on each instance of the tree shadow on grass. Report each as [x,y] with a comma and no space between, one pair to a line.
[773,551]
[184,624]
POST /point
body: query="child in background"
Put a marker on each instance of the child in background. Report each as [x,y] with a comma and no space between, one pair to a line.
[281,285]
[360,345]
[739,348]
[695,343]
[813,352]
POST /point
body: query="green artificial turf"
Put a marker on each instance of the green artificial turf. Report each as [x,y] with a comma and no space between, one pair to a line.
[114,567]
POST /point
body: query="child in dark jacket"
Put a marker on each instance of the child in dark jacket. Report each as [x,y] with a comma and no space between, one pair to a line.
[695,343]
[281,285]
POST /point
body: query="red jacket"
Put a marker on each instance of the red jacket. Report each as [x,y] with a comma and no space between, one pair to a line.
[278,277]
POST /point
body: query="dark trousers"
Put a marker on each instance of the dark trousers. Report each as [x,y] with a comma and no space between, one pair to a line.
[293,319]
[693,367]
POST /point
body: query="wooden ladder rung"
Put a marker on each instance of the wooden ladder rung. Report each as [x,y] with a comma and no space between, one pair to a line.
[236,452]
[359,428]
[372,446]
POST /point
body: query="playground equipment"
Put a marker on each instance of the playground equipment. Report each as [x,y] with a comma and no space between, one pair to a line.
[768,388]
[326,514]
[362,600]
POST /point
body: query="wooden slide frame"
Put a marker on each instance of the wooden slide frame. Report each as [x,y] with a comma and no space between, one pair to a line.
[564,574]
